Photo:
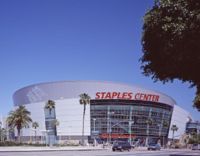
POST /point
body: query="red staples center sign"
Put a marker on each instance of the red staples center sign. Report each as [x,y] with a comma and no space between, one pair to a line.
[127,96]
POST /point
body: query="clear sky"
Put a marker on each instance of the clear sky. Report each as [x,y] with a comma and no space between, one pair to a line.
[53,40]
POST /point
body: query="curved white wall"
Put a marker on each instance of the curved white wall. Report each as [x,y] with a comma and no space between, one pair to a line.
[72,89]
[69,114]
[179,118]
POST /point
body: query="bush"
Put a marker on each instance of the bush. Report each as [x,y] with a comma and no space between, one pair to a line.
[195,139]
[13,143]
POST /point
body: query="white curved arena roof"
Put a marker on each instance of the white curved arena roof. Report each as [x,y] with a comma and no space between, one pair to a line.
[72,89]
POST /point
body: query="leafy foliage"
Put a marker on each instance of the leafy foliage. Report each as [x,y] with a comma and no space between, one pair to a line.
[84,99]
[13,143]
[19,118]
[2,134]
[50,105]
[35,125]
[194,139]
[171,37]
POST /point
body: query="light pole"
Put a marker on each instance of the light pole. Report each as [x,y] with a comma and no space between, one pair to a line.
[94,124]
[109,128]
[0,131]
[47,138]
[94,131]
[130,133]
[59,138]
[69,133]
[159,131]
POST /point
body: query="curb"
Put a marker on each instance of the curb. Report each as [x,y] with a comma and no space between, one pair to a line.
[50,149]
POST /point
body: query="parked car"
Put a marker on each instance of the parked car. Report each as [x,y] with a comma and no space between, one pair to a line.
[121,146]
[154,146]
[196,147]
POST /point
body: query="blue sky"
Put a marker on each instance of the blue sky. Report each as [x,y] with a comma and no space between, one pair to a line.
[52,40]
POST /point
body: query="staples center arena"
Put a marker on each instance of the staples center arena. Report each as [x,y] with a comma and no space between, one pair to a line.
[116,111]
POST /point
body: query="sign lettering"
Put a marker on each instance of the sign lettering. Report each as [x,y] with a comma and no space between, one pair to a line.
[116,136]
[127,96]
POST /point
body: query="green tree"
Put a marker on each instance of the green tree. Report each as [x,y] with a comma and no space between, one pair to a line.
[194,138]
[170,40]
[173,129]
[2,134]
[84,100]
[19,119]
[50,105]
[35,125]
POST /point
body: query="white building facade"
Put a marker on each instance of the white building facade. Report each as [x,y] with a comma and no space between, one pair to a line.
[116,111]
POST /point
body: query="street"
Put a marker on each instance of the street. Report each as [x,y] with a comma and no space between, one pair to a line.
[170,152]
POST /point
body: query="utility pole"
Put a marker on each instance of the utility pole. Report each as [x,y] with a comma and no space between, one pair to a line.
[130,124]
[0,131]
[109,126]
[94,131]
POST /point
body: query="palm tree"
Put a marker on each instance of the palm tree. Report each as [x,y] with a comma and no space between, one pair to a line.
[50,105]
[19,118]
[2,134]
[173,128]
[165,124]
[35,125]
[84,100]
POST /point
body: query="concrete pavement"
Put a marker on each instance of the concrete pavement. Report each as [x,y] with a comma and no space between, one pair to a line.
[40,149]
[90,151]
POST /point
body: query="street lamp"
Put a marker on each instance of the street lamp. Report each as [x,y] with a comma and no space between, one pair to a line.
[0,130]
[130,133]
[60,137]
[45,135]
[94,131]
[159,131]
[109,128]
[94,124]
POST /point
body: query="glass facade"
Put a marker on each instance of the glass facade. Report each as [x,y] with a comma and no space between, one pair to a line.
[129,119]
[193,127]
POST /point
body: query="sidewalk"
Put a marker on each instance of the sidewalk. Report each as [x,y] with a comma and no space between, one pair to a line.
[140,148]
[40,149]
